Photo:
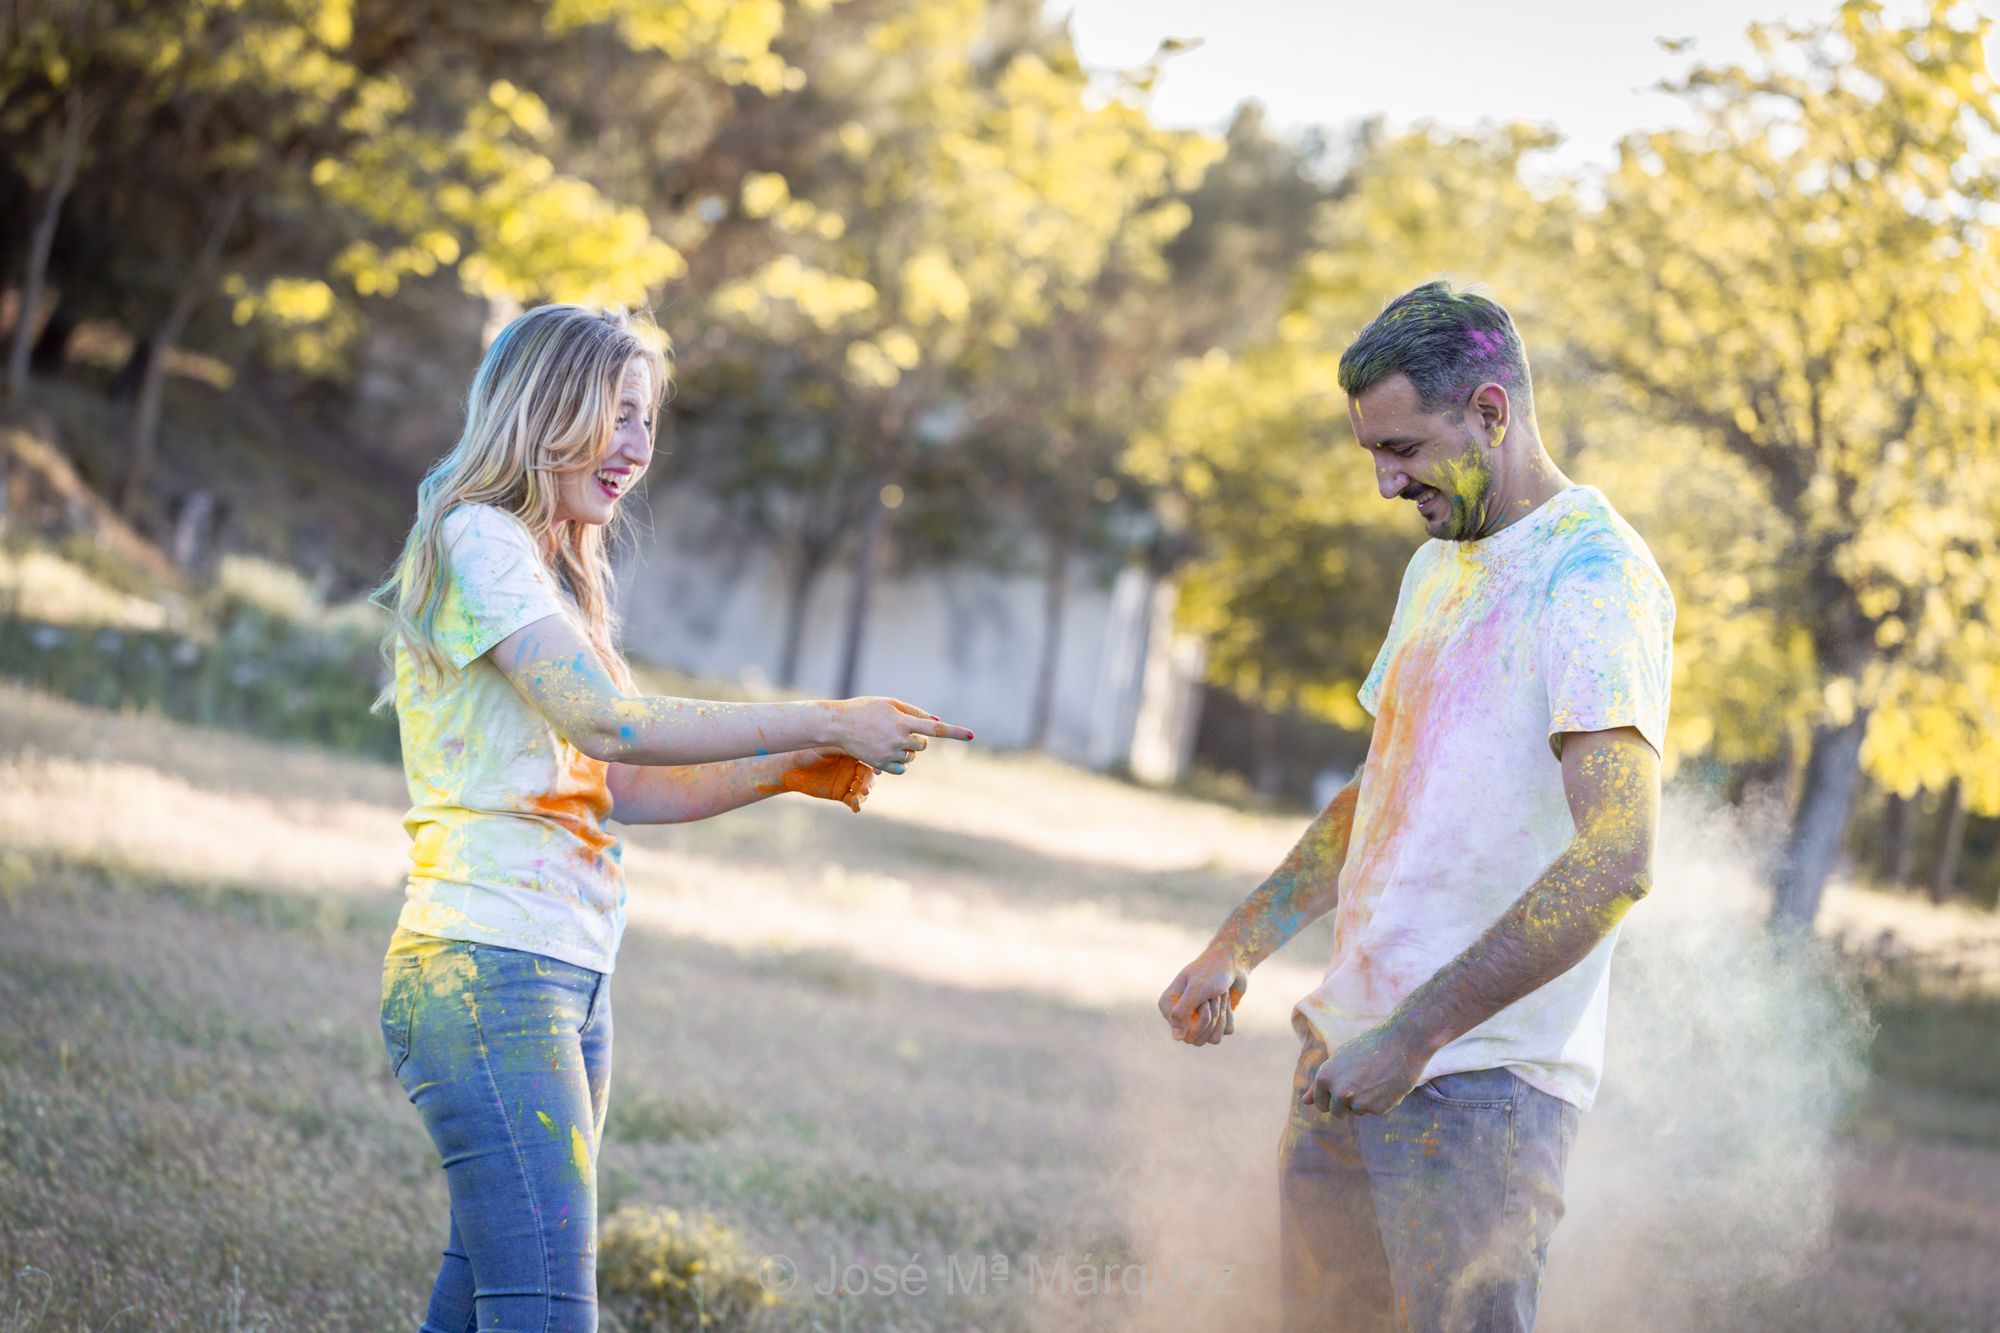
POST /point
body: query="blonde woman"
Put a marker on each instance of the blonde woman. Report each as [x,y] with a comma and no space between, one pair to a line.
[522,736]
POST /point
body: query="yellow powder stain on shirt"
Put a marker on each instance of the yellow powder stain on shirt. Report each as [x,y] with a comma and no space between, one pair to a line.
[547,1123]
[579,1146]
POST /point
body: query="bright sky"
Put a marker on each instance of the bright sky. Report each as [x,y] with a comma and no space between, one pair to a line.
[1586,66]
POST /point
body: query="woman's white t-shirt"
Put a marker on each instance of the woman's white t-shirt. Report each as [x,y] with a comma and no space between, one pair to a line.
[1560,622]
[506,821]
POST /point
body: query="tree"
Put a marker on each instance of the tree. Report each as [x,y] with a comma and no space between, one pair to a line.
[1806,285]
[967,193]
[41,78]
[1298,560]
[1097,375]
[304,157]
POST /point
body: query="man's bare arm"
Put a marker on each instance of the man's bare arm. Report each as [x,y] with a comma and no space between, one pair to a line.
[1199,1003]
[1612,779]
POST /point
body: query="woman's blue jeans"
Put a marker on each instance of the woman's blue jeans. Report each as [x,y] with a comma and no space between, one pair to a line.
[507,1057]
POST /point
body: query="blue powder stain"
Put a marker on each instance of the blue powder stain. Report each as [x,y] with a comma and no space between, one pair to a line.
[625,733]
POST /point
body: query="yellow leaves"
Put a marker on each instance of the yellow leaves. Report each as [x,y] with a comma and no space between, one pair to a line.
[869,367]
[486,199]
[522,109]
[826,300]
[855,139]
[980,196]
[901,349]
[933,292]
[764,192]
[729,39]
[303,325]
[333,23]
[375,106]
[288,301]
[1296,326]
[440,245]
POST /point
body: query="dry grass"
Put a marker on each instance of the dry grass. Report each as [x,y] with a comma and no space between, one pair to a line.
[925,1031]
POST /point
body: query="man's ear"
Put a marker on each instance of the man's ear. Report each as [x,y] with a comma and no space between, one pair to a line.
[1491,413]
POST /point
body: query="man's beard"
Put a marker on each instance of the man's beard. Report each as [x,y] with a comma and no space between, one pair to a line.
[1468,480]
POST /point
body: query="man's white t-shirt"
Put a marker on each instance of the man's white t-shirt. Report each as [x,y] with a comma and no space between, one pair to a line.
[506,822]
[1560,622]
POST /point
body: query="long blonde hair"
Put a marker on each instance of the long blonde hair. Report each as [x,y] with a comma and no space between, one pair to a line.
[544,401]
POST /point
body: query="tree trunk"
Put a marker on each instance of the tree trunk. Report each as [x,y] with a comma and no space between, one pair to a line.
[78,117]
[1899,840]
[1833,770]
[52,344]
[125,382]
[873,531]
[804,575]
[153,378]
[1945,882]
[1055,600]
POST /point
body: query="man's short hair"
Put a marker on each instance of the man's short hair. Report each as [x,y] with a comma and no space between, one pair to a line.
[1448,342]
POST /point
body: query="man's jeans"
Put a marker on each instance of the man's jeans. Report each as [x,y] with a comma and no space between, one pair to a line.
[1435,1217]
[507,1056]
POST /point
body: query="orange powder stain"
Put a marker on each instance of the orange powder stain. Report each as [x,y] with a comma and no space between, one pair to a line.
[580,802]
[832,778]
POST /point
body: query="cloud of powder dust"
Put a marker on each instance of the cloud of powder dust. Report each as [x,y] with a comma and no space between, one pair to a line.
[1193,1187]
[1704,1174]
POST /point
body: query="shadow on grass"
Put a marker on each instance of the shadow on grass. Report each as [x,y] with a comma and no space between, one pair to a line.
[1935,1062]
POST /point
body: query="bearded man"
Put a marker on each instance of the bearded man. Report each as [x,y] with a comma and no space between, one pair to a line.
[1477,867]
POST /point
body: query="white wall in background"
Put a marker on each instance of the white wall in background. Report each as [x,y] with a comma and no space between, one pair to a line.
[963,643]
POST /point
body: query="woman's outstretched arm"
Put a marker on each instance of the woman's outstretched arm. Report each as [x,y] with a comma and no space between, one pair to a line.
[555,669]
[677,795]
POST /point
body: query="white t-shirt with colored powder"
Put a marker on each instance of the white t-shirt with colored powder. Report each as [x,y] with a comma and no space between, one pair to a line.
[1560,622]
[506,821]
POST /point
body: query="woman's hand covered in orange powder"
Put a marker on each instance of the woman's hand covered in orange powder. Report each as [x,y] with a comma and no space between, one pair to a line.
[832,776]
[887,733]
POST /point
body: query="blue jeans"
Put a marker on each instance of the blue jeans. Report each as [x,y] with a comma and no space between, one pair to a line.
[507,1057]
[1434,1218]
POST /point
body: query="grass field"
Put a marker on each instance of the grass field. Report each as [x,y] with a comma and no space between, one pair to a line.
[920,1035]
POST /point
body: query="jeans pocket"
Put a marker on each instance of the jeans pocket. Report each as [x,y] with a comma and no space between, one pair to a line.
[1475,1089]
[401,975]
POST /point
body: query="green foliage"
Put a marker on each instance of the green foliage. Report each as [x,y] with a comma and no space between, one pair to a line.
[943,270]
[1773,346]
[1299,560]
[1805,284]
[660,1272]
[294,673]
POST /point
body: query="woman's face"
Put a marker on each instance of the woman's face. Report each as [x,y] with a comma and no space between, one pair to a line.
[591,494]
